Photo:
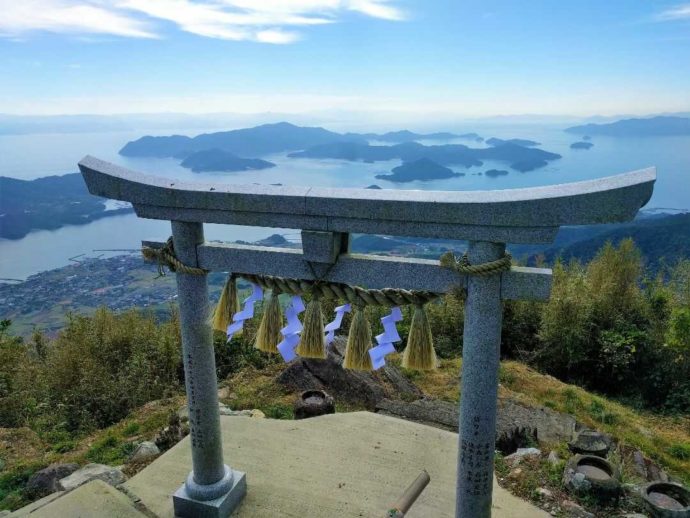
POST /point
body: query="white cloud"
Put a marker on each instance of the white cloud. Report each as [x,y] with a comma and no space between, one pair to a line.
[679,12]
[21,16]
[267,21]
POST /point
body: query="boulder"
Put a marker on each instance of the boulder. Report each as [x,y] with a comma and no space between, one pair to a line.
[515,458]
[553,458]
[45,481]
[144,451]
[538,423]
[344,384]
[177,429]
[544,494]
[573,510]
[107,474]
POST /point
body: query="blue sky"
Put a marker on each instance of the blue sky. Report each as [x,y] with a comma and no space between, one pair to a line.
[468,58]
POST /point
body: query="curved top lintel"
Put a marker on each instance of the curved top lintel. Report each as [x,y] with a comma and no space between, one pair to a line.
[603,200]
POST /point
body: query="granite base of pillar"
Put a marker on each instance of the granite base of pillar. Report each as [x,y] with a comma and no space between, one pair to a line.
[221,507]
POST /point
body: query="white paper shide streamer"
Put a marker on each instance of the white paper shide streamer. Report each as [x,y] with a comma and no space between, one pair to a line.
[335,325]
[385,340]
[291,331]
[247,311]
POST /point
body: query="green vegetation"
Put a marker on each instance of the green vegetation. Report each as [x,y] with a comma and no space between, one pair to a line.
[614,345]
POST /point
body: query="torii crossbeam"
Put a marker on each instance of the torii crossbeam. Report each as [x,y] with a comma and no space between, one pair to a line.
[326,217]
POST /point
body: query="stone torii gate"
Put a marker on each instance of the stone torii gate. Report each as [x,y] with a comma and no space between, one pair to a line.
[326,217]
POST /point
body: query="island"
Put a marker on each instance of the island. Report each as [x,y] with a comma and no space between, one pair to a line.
[257,141]
[529,164]
[651,127]
[219,160]
[401,136]
[519,157]
[493,141]
[373,186]
[422,169]
[50,203]
[493,173]
[581,145]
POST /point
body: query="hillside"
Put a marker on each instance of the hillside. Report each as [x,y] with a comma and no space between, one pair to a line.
[651,127]
[662,240]
[48,203]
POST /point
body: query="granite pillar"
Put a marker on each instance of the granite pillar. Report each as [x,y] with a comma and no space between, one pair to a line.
[480,363]
[212,489]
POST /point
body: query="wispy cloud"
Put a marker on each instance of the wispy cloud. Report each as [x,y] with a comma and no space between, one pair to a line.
[266,21]
[679,12]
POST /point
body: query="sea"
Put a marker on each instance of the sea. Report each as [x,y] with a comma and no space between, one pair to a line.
[33,156]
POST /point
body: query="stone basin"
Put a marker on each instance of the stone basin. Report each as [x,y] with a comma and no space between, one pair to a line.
[667,500]
[590,442]
[313,403]
[591,474]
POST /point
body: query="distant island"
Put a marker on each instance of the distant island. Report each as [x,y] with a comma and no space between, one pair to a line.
[581,145]
[471,136]
[401,136]
[493,173]
[262,140]
[48,204]
[519,157]
[422,169]
[257,141]
[651,127]
[493,141]
[374,186]
[218,160]
[315,142]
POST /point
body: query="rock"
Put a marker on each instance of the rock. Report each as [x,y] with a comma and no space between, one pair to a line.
[224,410]
[544,423]
[553,458]
[549,425]
[144,451]
[521,453]
[632,490]
[544,493]
[639,464]
[173,433]
[107,474]
[515,473]
[576,482]
[348,385]
[574,510]
[45,481]
[5,512]
[223,392]
[634,515]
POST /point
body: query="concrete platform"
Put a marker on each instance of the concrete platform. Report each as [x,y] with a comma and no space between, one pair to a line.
[95,498]
[344,465]
[354,464]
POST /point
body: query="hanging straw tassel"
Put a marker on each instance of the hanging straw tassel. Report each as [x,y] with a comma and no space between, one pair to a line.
[268,336]
[228,305]
[312,343]
[419,353]
[358,343]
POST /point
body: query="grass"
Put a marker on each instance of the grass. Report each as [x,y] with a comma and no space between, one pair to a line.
[23,451]
[665,440]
